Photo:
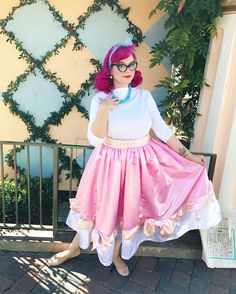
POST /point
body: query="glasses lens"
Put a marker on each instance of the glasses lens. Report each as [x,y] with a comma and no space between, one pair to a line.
[133,65]
[121,67]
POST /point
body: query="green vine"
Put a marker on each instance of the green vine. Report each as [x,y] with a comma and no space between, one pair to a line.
[186,46]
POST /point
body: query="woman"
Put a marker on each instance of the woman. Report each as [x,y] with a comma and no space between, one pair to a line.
[134,188]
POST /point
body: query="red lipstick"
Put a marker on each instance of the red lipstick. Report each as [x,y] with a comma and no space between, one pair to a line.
[128,76]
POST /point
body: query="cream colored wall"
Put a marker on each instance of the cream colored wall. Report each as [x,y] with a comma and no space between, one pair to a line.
[216,128]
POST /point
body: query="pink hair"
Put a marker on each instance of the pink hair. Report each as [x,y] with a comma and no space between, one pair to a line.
[103,82]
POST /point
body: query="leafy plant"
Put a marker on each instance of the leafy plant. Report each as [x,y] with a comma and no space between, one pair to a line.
[9,186]
[186,46]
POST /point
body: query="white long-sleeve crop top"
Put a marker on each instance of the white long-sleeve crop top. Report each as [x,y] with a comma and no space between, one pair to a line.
[131,120]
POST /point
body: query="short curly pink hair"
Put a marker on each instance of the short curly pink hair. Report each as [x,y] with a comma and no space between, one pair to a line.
[103,82]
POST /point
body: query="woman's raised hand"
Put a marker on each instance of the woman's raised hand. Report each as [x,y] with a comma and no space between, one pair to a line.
[109,103]
[196,158]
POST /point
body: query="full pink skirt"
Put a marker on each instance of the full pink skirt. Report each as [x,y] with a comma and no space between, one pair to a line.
[136,194]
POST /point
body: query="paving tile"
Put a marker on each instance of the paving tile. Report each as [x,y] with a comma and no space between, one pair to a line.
[202,272]
[6,262]
[180,278]
[199,286]
[5,283]
[74,279]
[85,256]
[23,260]
[149,291]
[50,278]
[45,254]
[77,275]
[44,286]
[146,279]
[132,288]
[69,285]
[58,273]
[168,287]
[147,263]
[15,271]
[92,287]
[2,252]
[233,277]
[13,254]
[34,261]
[115,281]
[222,271]
[185,265]
[26,283]
[216,289]
[220,279]
[99,273]
[201,262]
[232,289]
[163,270]
[170,262]
[83,267]
[94,259]
[132,262]
[37,263]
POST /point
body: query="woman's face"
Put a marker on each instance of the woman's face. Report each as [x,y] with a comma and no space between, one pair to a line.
[122,75]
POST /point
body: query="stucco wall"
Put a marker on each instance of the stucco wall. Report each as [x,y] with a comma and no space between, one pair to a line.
[215,129]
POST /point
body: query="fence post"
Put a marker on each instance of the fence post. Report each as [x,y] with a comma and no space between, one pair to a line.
[55,190]
[211,167]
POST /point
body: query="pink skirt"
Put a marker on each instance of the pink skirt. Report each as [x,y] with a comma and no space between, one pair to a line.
[135,194]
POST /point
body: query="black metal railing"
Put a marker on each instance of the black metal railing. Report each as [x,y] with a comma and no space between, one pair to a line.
[14,223]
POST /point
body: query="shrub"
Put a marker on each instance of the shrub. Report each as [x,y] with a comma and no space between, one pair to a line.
[21,186]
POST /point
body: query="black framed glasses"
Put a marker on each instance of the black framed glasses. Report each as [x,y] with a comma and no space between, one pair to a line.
[123,67]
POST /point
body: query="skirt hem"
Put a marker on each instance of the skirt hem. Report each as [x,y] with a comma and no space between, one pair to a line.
[204,217]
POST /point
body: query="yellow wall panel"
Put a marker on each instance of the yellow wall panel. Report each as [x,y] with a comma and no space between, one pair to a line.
[71,9]
[64,184]
[11,65]
[139,12]
[151,76]
[6,7]
[73,129]
[232,195]
[12,128]
[8,171]
[73,67]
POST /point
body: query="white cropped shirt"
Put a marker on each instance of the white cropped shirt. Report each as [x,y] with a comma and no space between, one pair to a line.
[131,120]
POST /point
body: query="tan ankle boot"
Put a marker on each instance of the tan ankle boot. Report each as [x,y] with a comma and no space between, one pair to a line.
[121,267]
